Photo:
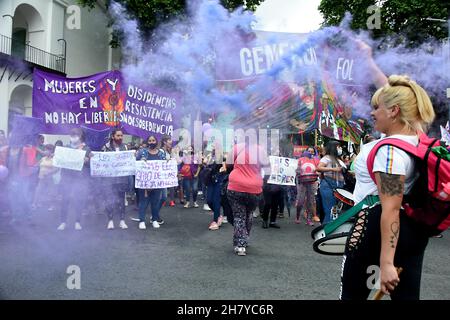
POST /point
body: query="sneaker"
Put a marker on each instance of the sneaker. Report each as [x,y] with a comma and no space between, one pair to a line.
[220,221]
[135,219]
[255,214]
[195,205]
[155,224]
[274,225]
[200,193]
[110,225]
[77,226]
[309,223]
[225,220]
[206,207]
[61,227]
[241,251]
[297,220]
[123,225]
[172,204]
[186,205]
[281,215]
[316,219]
[142,226]
[164,204]
[213,226]
[160,221]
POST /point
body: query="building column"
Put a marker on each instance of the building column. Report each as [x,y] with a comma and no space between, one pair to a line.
[4,103]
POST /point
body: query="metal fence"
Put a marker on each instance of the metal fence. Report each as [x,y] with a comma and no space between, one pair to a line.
[32,54]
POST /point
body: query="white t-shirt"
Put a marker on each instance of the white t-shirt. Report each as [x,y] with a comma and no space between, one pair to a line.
[389,160]
[328,162]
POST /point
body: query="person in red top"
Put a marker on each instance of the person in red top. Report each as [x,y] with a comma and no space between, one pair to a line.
[307,182]
[23,172]
[244,190]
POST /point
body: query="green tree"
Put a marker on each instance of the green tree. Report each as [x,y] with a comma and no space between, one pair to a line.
[404,18]
[151,13]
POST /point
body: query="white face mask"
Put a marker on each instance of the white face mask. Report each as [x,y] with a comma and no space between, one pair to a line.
[74,139]
[339,152]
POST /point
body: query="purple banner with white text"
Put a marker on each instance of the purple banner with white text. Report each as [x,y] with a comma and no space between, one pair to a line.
[103,101]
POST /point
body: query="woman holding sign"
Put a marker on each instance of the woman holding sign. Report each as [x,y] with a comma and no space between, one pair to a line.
[75,183]
[118,186]
[150,197]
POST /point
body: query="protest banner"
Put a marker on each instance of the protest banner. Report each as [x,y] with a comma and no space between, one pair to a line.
[298,150]
[113,164]
[104,101]
[67,158]
[156,174]
[283,171]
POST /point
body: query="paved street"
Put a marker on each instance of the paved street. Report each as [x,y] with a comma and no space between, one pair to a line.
[181,260]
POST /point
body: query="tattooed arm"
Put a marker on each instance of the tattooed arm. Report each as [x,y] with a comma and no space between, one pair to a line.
[390,190]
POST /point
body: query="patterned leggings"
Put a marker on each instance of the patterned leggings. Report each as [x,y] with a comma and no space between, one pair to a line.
[242,205]
[306,198]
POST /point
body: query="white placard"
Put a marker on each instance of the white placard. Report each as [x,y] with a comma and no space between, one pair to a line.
[113,164]
[282,171]
[67,158]
[156,174]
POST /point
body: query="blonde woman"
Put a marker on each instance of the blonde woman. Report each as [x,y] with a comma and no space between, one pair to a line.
[383,235]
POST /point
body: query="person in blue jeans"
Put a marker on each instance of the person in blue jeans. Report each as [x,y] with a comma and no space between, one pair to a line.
[150,197]
[331,178]
[214,174]
[190,169]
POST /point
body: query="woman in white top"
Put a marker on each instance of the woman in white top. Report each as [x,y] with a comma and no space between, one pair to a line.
[383,235]
[331,177]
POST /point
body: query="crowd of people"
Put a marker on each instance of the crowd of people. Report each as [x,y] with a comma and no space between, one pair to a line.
[234,190]
[34,184]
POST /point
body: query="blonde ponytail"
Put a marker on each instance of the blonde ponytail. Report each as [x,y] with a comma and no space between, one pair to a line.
[416,109]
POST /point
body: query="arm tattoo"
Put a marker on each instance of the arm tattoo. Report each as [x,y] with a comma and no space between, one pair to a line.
[391,184]
[395,229]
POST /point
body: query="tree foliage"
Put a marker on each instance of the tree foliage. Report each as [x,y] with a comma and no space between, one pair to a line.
[151,13]
[406,18]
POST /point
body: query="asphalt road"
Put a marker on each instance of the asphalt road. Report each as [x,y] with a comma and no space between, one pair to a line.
[181,260]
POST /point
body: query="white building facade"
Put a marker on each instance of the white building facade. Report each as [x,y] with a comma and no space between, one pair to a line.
[54,35]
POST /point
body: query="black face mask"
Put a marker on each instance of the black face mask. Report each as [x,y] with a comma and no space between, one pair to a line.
[152,145]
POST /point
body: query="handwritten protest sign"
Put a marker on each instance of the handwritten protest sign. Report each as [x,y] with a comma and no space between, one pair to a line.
[156,174]
[113,164]
[67,158]
[282,171]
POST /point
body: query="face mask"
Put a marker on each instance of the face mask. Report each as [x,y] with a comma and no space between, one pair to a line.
[339,152]
[74,139]
[152,145]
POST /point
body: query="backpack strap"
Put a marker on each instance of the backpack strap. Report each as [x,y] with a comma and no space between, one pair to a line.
[403,145]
